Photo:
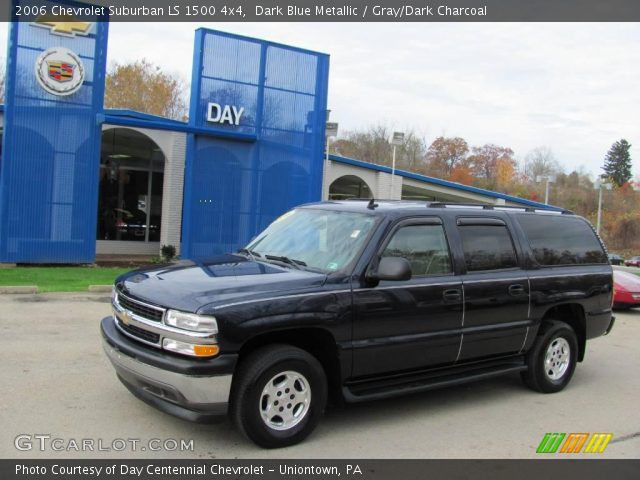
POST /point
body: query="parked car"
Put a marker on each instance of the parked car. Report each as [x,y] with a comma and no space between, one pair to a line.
[133,225]
[615,259]
[356,301]
[633,262]
[626,287]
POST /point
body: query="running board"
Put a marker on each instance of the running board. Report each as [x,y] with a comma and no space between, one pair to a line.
[390,387]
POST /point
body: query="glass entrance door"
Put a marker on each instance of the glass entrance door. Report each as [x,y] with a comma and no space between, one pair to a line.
[131,183]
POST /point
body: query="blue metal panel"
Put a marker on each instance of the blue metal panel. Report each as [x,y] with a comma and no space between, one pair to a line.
[233,189]
[49,170]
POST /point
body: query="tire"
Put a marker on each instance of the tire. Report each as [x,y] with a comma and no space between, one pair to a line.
[552,360]
[263,380]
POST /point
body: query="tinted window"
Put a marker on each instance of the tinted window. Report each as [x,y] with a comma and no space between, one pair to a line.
[424,246]
[561,240]
[487,247]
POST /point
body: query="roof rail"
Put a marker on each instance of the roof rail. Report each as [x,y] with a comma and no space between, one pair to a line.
[484,206]
[487,206]
[354,199]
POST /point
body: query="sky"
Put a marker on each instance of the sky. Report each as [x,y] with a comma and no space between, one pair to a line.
[572,87]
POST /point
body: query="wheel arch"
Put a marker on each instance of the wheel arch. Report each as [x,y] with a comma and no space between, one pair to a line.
[573,315]
[316,341]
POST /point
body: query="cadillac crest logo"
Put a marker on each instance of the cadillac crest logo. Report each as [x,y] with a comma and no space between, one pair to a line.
[59,71]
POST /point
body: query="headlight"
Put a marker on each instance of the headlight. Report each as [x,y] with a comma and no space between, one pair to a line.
[191,321]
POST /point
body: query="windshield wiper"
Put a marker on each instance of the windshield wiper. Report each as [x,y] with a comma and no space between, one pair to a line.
[252,254]
[289,261]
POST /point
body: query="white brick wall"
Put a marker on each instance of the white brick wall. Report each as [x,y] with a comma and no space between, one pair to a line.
[123,247]
[172,194]
[326,175]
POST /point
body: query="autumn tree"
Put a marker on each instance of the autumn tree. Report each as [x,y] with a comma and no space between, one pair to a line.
[144,87]
[492,164]
[621,219]
[446,156]
[617,163]
[461,174]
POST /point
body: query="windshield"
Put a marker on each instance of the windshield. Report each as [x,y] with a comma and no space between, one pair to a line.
[323,240]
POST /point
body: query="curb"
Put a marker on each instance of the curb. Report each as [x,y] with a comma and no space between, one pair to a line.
[100,288]
[30,289]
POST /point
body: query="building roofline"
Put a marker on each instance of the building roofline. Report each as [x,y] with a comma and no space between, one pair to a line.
[442,183]
[123,112]
[130,118]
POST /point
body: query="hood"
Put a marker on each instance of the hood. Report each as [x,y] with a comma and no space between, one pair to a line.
[192,285]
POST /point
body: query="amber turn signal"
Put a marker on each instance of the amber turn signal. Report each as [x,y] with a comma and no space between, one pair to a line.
[205,350]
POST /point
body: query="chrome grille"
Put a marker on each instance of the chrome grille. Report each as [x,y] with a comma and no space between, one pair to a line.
[141,309]
[139,333]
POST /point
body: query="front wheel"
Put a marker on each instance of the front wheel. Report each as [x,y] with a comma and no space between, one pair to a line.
[552,360]
[278,396]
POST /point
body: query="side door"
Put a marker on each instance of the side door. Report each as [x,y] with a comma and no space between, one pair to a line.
[412,324]
[496,289]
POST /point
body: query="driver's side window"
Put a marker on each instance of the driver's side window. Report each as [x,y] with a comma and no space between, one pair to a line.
[424,246]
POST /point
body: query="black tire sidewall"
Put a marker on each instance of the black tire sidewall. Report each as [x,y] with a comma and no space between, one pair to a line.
[253,424]
[557,330]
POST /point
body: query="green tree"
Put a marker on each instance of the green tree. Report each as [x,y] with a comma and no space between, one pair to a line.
[617,163]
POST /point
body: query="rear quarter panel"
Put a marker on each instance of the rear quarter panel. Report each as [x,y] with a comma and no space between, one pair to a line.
[590,286]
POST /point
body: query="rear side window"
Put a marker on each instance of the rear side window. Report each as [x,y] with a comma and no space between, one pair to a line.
[487,247]
[561,240]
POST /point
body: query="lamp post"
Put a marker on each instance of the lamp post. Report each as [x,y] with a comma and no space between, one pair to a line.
[396,139]
[549,179]
[600,185]
[331,130]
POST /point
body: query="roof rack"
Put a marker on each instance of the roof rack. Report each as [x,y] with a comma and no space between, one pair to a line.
[487,206]
[353,199]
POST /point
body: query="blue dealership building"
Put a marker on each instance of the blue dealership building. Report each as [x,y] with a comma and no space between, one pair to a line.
[77,180]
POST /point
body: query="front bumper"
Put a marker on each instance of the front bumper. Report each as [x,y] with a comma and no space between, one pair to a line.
[192,389]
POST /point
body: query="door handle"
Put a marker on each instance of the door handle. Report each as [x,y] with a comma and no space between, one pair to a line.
[452,295]
[516,289]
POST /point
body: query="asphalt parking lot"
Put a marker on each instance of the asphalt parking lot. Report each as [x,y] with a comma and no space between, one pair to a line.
[57,381]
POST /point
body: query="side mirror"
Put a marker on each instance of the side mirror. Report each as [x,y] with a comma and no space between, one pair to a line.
[393,268]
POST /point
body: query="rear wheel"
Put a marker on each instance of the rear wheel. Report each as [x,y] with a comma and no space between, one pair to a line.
[552,360]
[278,396]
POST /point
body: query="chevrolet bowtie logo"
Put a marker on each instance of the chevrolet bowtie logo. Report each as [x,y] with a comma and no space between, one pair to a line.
[125,316]
[63,25]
